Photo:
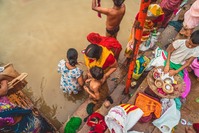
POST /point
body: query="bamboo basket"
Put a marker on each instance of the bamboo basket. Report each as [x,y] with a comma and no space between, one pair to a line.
[15,80]
[178,88]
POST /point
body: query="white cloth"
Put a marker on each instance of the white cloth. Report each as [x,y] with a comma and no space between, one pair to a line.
[150,42]
[158,60]
[169,119]
[182,53]
[121,118]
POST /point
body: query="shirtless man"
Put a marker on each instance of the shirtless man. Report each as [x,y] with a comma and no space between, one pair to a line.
[114,16]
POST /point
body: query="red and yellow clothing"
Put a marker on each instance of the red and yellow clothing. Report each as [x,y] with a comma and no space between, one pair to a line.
[106,59]
[149,25]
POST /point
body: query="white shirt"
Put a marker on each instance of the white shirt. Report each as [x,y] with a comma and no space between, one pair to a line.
[182,53]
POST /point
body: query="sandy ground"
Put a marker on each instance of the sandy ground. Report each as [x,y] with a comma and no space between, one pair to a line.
[35,35]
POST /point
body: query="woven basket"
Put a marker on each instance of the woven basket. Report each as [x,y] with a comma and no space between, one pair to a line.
[178,88]
[15,80]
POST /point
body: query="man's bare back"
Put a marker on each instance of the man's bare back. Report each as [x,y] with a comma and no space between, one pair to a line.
[114,16]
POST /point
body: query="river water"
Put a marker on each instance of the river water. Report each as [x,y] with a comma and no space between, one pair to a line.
[35,35]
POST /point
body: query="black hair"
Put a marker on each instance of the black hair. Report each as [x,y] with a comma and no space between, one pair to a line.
[118,3]
[72,56]
[93,51]
[153,1]
[195,37]
[97,72]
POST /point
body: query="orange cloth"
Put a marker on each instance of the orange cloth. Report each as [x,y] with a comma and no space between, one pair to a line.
[148,105]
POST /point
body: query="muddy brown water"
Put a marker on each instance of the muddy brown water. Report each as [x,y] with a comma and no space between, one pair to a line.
[35,35]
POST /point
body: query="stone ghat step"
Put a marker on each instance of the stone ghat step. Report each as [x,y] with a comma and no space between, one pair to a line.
[116,78]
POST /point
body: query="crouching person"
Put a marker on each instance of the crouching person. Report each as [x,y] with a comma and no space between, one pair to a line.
[97,91]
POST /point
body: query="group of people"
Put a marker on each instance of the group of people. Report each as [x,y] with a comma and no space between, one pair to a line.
[100,63]
[101,55]
[101,59]
[181,52]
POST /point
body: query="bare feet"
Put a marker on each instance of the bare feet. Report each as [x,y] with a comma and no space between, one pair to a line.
[107,104]
[189,130]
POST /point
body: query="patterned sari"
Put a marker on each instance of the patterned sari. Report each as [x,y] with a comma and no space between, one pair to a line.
[28,123]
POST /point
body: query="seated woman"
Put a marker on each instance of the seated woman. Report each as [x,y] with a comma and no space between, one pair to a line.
[97,92]
[154,19]
[14,119]
[96,55]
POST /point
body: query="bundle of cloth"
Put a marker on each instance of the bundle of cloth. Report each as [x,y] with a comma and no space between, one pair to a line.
[121,118]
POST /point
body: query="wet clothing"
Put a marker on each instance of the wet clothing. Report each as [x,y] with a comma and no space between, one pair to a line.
[114,31]
[68,82]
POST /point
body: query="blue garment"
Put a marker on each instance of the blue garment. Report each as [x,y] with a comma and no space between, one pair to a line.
[68,82]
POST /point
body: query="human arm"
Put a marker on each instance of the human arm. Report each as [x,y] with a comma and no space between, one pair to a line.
[4,87]
[186,64]
[131,41]
[80,80]
[95,88]
[112,68]
[170,49]
[60,64]
[79,77]
[99,9]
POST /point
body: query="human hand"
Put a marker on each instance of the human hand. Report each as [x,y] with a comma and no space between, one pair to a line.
[104,78]
[166,69]
[189,130]
[89,75]
[85,88]
[87,81]
[131,43]
[172,72]
[146,30]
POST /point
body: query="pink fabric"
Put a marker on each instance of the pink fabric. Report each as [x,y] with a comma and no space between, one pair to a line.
[5,104]
[168,7]
[170,4]
[191,17]
[187,86]
[195,67]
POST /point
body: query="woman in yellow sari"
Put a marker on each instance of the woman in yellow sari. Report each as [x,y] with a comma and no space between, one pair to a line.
[96,55]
